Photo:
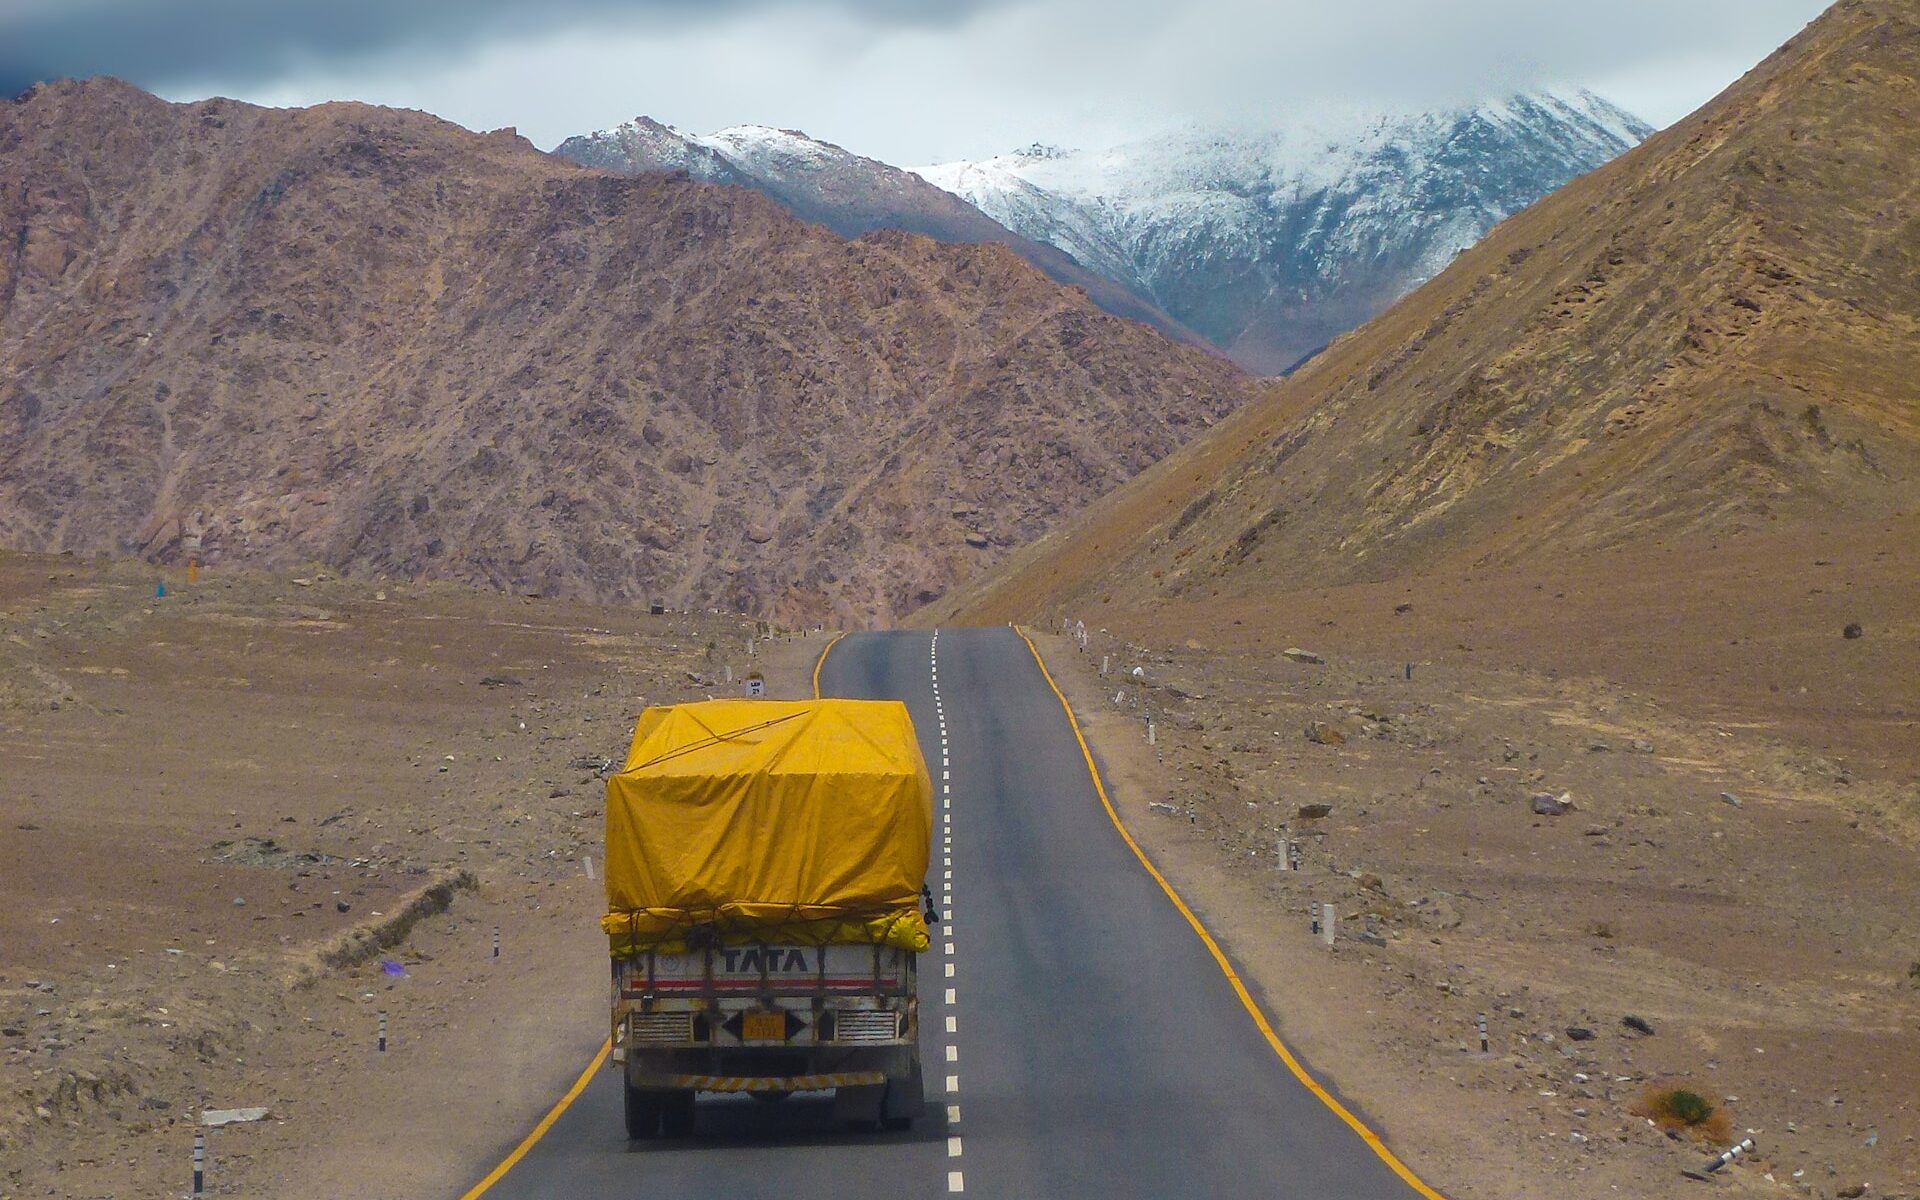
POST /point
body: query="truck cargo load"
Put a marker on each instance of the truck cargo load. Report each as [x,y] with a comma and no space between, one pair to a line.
[801,823]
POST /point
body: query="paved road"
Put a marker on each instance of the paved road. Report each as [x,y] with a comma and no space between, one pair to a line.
[1097,1050]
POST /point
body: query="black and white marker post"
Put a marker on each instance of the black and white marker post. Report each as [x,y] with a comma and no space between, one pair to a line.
[383,1031]
[199,1163]
[496,941]
[1743,1146]
[1482,1022]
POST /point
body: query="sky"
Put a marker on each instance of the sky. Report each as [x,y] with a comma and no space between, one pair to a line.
[907,81]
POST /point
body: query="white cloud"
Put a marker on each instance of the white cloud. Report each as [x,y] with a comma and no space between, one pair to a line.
[1078,71]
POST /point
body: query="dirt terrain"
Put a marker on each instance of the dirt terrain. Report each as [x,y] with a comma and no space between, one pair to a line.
[239,821]
[370,338]
[1734,867]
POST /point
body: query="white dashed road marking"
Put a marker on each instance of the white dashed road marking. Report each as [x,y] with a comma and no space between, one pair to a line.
[956,1182]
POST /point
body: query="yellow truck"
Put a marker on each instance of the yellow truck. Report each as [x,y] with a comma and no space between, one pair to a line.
[766,868]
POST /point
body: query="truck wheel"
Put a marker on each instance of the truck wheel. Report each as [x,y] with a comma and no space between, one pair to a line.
[676,1114]
[643,1113]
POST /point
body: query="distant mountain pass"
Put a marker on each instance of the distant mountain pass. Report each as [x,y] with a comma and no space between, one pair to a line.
[1273,241]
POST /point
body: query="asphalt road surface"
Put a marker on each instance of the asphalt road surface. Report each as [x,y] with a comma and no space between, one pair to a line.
[1079,1039]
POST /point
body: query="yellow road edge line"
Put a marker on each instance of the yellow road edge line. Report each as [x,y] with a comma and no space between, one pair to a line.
[1247,1001]
[539,1131]
[822,661]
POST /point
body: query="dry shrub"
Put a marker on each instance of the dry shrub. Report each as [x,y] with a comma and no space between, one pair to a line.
[1675,1106]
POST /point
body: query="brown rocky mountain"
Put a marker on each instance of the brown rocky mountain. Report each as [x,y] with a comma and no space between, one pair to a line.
[373,339]
[1714,333]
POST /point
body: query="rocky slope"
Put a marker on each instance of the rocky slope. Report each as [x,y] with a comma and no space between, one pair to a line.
[848,193]
[370,338]
[1272,241]
[1710,335]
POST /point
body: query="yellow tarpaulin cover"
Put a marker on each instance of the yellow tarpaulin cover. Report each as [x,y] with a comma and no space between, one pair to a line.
[803,821]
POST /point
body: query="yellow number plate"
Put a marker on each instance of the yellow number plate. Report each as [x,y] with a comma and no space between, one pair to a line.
[764,1027]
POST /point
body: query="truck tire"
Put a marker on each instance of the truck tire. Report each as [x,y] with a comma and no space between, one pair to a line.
[643,1110]
[676,1114]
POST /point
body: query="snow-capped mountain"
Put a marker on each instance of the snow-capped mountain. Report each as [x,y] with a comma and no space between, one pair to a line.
[1273,241]
[848,193]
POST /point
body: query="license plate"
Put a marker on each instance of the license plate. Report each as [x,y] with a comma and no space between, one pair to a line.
[764,1027]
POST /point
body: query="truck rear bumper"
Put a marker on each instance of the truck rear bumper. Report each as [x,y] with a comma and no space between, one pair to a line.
[760,1083]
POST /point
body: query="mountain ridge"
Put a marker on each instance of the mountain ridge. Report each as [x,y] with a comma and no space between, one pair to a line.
[848,193]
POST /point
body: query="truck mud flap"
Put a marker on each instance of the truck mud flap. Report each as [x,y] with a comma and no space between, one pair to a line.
[906,1099]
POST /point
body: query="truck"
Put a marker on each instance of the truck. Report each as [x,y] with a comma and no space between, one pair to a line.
[766,889]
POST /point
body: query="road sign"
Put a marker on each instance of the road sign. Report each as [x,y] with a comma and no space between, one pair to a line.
[756,686]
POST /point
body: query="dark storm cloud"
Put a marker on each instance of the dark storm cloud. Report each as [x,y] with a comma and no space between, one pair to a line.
[154,42]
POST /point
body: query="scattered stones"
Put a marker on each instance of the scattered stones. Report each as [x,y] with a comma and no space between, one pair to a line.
[1852,631]
[1296,654]
[1159,807]
[1547,804]
[1322,734]
[1402,609]
[1637,1024]
[239,901]
[1642,746]
[341,906]
[1730,798]
[1579,1033]
[1313,812]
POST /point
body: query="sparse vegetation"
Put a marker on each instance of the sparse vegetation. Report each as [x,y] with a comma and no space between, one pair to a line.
[1681,1108]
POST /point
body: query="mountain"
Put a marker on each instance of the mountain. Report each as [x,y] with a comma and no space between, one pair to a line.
[372,339]
[848,193]
[1712,335]
[1272,241]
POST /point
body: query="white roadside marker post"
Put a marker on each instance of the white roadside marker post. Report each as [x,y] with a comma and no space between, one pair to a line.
[1327,920]
[1105,660]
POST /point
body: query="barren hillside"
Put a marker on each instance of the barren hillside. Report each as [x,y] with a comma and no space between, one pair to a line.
[370,338]
[1710,335]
